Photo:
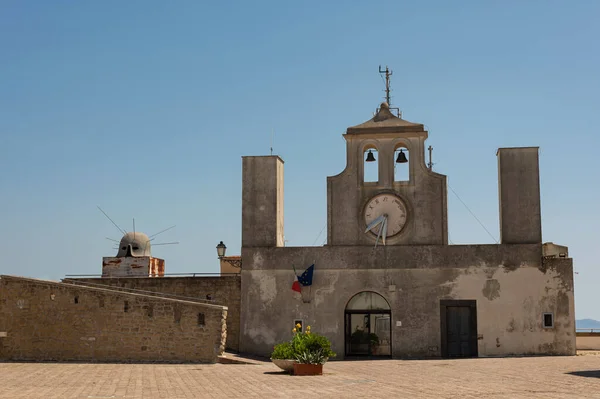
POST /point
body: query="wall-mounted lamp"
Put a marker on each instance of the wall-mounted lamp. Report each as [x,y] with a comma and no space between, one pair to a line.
[221,248]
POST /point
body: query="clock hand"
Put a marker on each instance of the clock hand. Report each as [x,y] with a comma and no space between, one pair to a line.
[374,223]
[378,234]
[384,228]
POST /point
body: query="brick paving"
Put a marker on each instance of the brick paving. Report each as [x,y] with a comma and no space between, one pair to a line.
[535,377]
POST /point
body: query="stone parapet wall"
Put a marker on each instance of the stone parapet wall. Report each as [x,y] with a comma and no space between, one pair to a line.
[223,290]
[588,341]
[50,321]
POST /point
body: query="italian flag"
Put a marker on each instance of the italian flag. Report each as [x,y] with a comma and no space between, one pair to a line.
[296,284]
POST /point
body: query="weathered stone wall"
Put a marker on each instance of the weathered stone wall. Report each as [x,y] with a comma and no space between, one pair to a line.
[45,320]
[223,290]
[262,196]
[519,195]
[510,283]
[138,266]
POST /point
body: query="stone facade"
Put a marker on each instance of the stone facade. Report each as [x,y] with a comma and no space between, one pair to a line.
[224,290]
[45,320]
[511,284]
[435,299]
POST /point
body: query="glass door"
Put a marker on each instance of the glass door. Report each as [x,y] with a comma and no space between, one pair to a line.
[357,334]
[368,334]
[368,325]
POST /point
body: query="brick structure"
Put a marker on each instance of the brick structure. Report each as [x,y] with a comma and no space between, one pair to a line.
[224,290]
[142,266]
[45,320]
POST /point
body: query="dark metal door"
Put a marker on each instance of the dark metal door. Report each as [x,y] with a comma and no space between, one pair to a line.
[459,329]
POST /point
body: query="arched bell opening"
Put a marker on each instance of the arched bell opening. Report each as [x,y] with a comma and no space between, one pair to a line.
[370,164]
[368,326]
[401,163]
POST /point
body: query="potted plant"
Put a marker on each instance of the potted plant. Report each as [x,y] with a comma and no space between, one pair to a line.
[303,351]
[309,363]
[283,356]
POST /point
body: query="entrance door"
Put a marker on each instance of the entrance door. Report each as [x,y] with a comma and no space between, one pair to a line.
[368,326]
[459,328]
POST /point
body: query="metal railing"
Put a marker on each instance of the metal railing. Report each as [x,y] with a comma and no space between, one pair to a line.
[166,274]
[588,330]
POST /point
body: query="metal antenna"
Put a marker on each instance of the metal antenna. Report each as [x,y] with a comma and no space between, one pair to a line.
[134,228]
[120,229]
[272,139]
[162,231]
[166,243]
[111,239]
[430,164]
[388,73]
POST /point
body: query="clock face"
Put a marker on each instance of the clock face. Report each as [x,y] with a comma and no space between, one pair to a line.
[391,207]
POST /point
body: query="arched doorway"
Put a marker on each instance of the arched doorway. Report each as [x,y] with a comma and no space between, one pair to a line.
[368,327]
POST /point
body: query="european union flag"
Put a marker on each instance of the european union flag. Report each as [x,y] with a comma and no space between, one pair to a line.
[306,278]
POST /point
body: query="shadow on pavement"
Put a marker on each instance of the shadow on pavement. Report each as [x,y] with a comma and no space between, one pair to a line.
[586,373]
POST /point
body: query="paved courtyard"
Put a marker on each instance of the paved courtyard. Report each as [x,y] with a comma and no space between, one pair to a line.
[540,377]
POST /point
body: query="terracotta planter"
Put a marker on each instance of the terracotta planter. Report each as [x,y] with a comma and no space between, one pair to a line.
[308,369]
[284,364]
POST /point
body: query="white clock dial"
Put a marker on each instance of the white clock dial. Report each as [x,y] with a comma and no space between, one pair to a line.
[388,207]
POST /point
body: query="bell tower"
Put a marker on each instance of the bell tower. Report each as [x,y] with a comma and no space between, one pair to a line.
[386,207]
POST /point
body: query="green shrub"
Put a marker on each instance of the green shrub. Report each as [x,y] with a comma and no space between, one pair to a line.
[311,342]
[308,357]
[283,351]
[304,345]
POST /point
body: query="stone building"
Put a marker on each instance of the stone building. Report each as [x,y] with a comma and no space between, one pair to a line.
[387,283]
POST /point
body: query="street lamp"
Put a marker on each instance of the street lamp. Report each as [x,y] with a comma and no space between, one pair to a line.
[221,248]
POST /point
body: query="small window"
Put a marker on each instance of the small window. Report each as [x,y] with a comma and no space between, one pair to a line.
[150,311]
[201,319]
[177,314]
[76,299]
[126,306]
[298,323]
[548,320]
[101,302]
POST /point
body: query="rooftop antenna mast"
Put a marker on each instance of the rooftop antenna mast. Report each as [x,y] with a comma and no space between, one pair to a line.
[108,217]
[388,73]
[388,97]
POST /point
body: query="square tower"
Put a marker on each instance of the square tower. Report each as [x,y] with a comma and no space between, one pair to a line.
[519,192]
[262,201]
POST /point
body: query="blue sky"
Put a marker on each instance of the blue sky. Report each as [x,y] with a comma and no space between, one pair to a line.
[145,108]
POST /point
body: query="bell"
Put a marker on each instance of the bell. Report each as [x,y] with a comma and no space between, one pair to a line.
[370,157]
[401,157]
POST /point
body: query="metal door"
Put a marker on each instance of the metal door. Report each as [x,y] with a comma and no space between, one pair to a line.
[459,329]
